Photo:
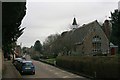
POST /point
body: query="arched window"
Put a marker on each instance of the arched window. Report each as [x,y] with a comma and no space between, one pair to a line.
[96,39]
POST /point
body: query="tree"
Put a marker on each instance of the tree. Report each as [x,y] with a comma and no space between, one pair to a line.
[115,19]
[36,50]
[50,39]
[52,44]
[24,49]
[12,15]
[38,46]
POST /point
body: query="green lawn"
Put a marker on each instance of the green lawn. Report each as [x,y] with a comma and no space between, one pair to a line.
[51,61]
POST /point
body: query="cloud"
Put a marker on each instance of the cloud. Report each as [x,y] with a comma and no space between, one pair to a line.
[45,18]
[73,0]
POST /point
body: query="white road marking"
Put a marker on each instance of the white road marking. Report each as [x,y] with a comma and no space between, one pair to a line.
[78,76]
[71,74]
[65,76]
[51,70]
[56,73]
[63,71]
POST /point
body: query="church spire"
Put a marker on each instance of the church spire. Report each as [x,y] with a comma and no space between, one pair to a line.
[74,22]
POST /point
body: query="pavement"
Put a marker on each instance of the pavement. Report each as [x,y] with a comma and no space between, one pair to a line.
[10,71]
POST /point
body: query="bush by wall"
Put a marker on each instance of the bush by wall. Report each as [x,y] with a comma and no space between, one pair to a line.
[100,67]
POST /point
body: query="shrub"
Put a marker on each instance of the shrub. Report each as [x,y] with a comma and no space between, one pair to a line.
[35,55]
[95,66]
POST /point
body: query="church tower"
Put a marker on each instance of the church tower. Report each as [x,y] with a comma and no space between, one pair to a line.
[74,24]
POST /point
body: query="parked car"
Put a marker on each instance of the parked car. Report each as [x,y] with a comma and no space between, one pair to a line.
[16,60]
[23,57]
[27,67]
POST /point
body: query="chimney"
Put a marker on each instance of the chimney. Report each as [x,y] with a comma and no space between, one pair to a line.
[107,27]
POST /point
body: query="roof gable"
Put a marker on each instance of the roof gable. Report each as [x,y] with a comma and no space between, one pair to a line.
[78,34]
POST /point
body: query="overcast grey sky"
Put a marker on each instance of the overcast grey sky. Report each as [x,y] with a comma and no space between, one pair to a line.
[44,18]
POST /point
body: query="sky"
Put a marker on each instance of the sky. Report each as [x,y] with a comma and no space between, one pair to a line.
[47,17]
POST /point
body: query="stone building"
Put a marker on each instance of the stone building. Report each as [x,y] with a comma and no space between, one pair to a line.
[88,39]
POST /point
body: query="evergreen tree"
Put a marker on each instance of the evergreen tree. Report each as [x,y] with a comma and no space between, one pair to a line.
[38,46]
[115,36]
[12,15]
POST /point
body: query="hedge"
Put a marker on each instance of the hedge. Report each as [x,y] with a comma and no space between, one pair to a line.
[100,67]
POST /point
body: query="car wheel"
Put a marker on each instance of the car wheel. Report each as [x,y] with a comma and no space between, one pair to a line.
[33,73]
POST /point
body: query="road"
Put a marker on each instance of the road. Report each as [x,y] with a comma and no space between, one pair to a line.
[44,70]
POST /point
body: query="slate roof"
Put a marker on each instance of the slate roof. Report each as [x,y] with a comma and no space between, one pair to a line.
[78,34]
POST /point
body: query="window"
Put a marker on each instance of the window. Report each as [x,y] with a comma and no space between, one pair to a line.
[96,42]
[96,39]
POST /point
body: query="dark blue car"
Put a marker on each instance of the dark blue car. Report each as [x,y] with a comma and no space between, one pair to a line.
[27,67]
